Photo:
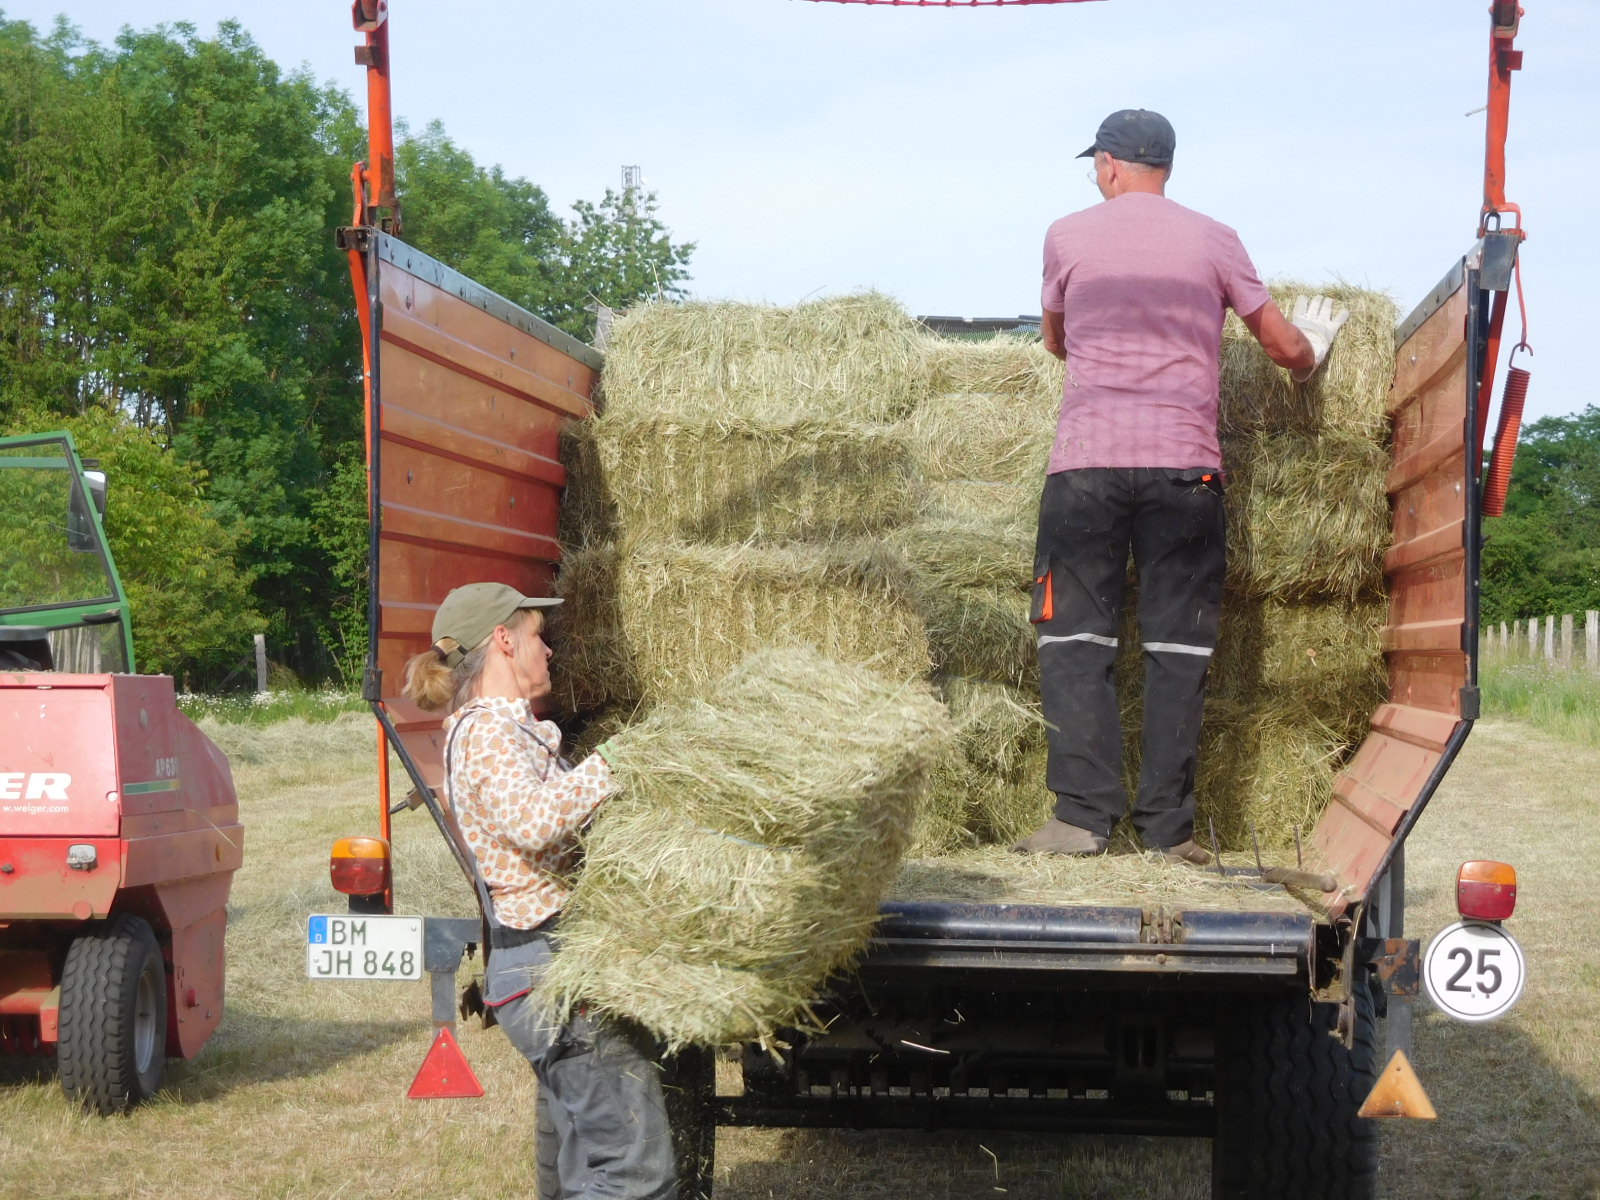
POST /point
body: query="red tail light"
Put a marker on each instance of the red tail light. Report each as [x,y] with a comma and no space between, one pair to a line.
[359,866]
[1486,891]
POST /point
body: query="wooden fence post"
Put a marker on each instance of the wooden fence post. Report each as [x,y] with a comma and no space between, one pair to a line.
[1549,639]
[1566,639]
[261,662]
[1533,636]
[1505,637]
[1591,639]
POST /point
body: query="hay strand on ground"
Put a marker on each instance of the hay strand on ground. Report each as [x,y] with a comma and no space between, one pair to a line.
[747,855]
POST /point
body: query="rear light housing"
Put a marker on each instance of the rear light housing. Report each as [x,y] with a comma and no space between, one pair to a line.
[1486,890]
[359,866]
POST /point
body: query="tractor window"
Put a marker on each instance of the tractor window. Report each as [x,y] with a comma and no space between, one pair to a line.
[53,554]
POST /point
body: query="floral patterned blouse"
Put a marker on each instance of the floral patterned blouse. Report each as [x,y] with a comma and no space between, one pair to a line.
[520,805]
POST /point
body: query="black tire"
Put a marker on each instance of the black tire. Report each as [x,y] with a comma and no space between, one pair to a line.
[689,1079]
[1287,1094]
[546,1151]
[113,1033]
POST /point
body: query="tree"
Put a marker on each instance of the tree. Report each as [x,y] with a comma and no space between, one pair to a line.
[192,609]
[1543,556]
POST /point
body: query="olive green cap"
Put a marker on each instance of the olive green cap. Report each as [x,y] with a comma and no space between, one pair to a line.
[470,613]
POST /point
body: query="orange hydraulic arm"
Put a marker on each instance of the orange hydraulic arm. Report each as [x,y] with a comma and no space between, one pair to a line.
[374,179]
[1504,58]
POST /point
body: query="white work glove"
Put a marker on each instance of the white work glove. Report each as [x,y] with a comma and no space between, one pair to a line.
[1315,317]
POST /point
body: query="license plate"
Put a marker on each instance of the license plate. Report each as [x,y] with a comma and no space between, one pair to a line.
[351,947]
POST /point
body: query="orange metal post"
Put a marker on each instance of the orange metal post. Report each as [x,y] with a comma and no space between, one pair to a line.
[371,17]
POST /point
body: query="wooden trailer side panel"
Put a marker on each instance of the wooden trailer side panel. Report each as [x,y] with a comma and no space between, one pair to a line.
[1426,637]
[470,393]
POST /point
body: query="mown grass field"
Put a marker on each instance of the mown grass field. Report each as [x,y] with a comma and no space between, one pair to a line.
[302,1092]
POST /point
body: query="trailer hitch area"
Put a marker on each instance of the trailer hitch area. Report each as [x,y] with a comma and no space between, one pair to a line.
[1396,964]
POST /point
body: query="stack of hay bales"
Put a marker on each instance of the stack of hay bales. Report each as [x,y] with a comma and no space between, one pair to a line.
[1298,668]
[981,441]
[832,475]
[746,857]
[733,494]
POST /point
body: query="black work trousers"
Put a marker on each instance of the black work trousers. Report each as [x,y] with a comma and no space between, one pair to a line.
[1173,522]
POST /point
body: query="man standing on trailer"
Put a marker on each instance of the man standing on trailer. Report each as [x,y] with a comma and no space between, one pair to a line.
[1135,291]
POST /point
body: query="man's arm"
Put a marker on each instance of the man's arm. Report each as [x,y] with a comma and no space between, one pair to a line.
[1054,329]
[1303,342]
[1284,344]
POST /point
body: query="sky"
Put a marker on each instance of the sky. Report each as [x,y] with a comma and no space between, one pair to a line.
[812,148]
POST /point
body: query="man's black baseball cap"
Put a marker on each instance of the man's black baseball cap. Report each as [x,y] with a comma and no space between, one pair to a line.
[1136,135]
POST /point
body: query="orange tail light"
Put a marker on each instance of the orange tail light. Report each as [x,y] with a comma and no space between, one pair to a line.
[1486,891]
[359,866]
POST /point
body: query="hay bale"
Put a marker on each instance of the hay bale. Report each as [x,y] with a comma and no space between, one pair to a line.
[1347,396]
[856,358]
[655,622]
[1291,690]
[990,770]
[646,478]
[747,855]
[1009,364]
[1308,517]
[997,437]
[1012,509]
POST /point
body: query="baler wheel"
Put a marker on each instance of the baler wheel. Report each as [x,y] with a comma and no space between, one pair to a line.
[113,1016]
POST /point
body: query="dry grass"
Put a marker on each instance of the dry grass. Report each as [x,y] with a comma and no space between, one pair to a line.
[745,859]
[855,358]
[301,1093]
[663,621]
[646,478]
[1346,397]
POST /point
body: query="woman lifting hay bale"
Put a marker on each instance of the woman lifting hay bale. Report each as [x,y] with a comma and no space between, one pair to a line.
[520,807]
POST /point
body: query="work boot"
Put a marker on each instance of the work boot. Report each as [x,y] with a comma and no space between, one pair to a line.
[1186,852]
[1057,837]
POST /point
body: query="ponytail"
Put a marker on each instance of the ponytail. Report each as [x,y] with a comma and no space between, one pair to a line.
[445,675]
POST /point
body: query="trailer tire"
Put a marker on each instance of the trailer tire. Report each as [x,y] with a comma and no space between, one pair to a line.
[1287,1094]
[546,1150]
[689,1079]
[113,1020]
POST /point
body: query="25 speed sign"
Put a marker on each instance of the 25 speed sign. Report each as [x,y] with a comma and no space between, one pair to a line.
[1474,971]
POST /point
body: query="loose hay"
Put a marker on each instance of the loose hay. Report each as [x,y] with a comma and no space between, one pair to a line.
[993,875]
[658,622]
[727,479]
[748,853]
[858,358]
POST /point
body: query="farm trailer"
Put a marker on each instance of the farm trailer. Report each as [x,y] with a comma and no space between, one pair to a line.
[119,827]
[1257,1030]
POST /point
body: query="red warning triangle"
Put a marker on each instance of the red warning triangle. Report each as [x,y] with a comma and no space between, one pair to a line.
[1398,1093]
[445,1074]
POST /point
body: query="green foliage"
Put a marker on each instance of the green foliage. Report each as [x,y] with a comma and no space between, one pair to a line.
[190,599]
[167,208]
[340,526]
[1543,556]
[503,233]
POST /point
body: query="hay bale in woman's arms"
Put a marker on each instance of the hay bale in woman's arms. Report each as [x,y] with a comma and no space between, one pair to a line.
[745,859]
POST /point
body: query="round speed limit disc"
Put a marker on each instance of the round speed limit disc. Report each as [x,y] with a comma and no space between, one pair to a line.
[1474,971]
